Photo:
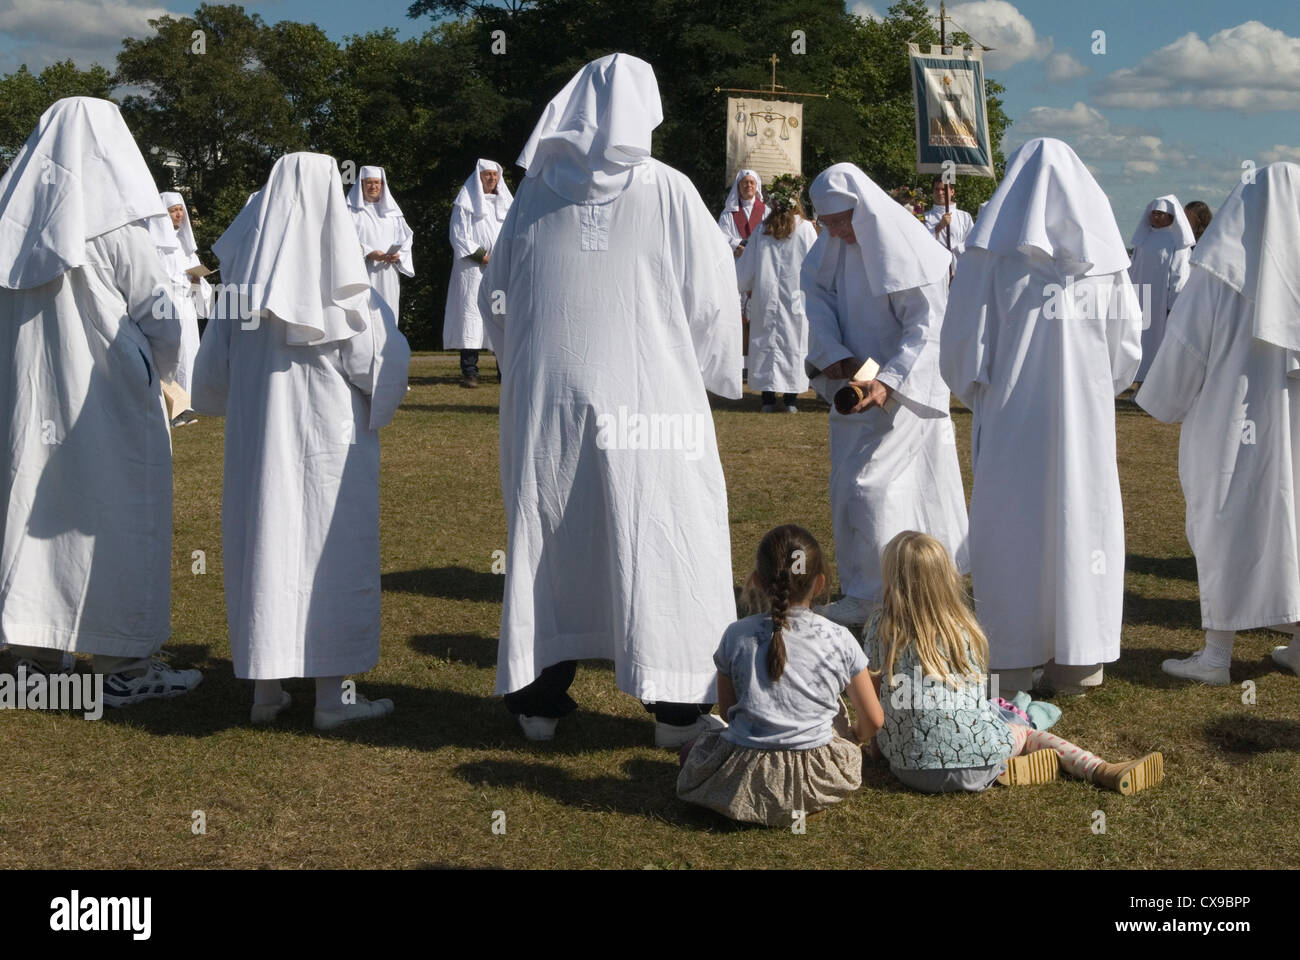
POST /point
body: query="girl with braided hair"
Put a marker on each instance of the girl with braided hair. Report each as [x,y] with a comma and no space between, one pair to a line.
[780,677]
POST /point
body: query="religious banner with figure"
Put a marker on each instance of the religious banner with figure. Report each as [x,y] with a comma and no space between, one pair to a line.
[765,136]
[951,118]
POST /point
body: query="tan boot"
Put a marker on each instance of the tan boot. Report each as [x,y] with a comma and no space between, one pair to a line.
[1031,769]
[1131,777]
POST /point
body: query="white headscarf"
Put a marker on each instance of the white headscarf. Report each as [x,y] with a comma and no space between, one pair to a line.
[1176,236]
[1048,201]
[184,233]
[1253,245]
[79,175]
[385,206]
[733,198]
[897,251]
[295,247]
[473,199]
[596,131]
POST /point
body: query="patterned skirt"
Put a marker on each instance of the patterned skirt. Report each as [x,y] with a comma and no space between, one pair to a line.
[768,786]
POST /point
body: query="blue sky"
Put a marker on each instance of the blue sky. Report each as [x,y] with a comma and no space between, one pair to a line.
[1186,91]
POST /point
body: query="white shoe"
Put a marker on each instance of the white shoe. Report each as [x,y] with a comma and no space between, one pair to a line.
[363,709]
[263,713]
[159,682]
[769,408]
[851,612]
[1195,668]
[538,728]
[791,408]
[1284,657]
[672,736]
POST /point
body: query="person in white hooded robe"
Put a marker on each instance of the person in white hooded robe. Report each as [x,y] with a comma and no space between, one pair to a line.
[384,234]
[611,299]
[1229,370]
[306,370]
[768,274]
[1042,332]
[946,222]
[742,214]
[476,218]
[194,294]
[1162,245]
[88,327]
[875,284]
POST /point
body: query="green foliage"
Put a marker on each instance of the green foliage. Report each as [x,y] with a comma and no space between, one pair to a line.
[212,123]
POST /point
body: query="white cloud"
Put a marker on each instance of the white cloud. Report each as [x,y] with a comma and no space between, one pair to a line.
[1139,167]
[45,31]
[1280,152]
[1001,26]
[1063,67]
[1250,67]
[865,10]
[1133,151]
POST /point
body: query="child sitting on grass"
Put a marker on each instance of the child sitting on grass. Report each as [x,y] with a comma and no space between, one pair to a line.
[780,677]
[940,733]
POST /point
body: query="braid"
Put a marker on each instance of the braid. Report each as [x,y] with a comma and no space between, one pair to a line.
[779,593]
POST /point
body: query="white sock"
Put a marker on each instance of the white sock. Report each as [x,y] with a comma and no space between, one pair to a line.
[329,693]
[266,692]
[1218,648]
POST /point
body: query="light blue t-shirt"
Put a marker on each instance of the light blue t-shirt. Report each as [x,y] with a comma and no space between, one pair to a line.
[795,712]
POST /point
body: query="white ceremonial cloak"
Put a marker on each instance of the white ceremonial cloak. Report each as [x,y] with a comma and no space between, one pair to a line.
[1158,273]
[961,225]
[87,534]
[1046,520]
[194,300]
[1238,454]
[300,498]
[462,324]
[618,316]
[380,233]
[778,327]
[891,470]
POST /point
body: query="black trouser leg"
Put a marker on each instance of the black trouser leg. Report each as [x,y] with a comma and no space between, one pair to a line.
[469,363]
[678,714]
[789,398]
[769,398]
[548,695]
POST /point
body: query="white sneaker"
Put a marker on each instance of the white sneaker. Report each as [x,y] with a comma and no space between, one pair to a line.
[159,682]
[264,713]
[851,612]
[1284,657]
[672,736]
[363,709]
[769,408]
[791,408]
[1195,668]
[538,728]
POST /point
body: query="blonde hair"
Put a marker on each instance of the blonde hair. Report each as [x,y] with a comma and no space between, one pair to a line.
[924,606]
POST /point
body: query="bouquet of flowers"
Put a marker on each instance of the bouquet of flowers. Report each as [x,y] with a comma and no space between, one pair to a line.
[913,198]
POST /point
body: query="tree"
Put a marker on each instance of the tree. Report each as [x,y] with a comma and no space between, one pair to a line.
[25,96]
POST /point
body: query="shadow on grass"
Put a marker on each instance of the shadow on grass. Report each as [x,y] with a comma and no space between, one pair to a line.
[449,583]
[648,790]
[1162,611]
[471,648]
[1141,666]
[1166,568]
[1246,734]
[451,408]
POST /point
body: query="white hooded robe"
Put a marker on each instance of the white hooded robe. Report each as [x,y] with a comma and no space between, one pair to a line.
[1229,370]
[883,298]
[87,471]
[1160,270]
[381,225]
[476,219]
[616,311]
[305,378]
[1040,375]
[768,273]
[194,298]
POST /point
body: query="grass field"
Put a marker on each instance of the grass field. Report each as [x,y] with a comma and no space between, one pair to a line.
[421,788]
